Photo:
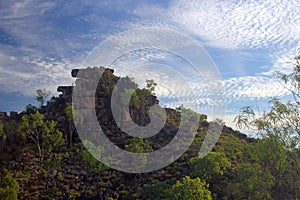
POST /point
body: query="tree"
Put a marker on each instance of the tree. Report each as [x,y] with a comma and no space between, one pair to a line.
[188,188]
[274,160]
[138,145]
[150,85]
[265,172]
[282,121]
[279,130]
[9,188]
[42,95]
[155,191]
[51,137]
[291,178]
[292,81]
[186,113]
[270,154]
[30,109]
[251,182]
[42,133]
[214,164]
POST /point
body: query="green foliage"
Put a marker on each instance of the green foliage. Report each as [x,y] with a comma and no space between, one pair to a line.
[265,173]
[150,85]
[42,133]
[69,112]
[51,137]
[9,188]
[214,164]
[188,188]
[187,114]
[270,154]
[251,182]
[292,80]
[290,183]
[138,145]
[89,156]
[52,163]
[275,160]
[238,168]
[30,109]
[139,98]
[42,95]
[156,191]
[1,129]
[282,120]
[232,146]
[130,94]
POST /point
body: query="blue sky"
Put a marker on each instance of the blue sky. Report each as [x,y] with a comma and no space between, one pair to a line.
[41,41]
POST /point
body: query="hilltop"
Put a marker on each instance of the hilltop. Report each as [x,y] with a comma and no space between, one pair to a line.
[238,167]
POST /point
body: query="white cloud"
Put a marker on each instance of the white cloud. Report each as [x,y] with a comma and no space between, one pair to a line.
[21,9]
[25,75]
[253,87]
[240,24]
[149,10]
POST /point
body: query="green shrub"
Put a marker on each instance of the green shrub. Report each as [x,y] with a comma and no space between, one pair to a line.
[9,188]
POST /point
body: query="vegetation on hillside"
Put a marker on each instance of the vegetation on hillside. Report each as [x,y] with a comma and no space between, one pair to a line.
[42,156]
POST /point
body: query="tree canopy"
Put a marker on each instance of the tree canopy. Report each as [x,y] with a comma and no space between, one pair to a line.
[42,96]
[187,188]
[9,188]
[43,133]
[282,121]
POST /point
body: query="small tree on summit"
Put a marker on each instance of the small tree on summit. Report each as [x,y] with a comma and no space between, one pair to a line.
[42,95]
[150,85]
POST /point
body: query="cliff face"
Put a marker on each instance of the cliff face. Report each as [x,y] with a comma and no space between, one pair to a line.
[101,100]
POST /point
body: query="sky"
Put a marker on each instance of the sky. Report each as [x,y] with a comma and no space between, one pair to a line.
[41,41]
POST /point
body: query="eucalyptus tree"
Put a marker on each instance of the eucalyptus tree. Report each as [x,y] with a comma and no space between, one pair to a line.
[282,121]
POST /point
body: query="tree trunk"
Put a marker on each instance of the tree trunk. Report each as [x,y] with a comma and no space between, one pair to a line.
[40,152]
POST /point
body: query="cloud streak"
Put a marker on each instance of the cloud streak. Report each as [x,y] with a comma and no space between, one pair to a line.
[240,24]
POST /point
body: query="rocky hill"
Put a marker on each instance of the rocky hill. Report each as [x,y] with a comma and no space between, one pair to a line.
[237,168]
